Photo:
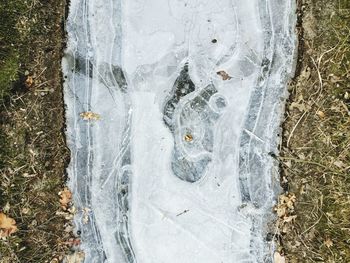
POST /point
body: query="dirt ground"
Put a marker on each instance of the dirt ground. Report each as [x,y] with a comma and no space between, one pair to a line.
[315,156]
[33,154]
[314,211]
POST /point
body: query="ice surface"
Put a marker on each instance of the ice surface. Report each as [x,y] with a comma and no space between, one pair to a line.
[178,168]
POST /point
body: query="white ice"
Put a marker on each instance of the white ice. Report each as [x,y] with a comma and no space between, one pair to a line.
[123,60]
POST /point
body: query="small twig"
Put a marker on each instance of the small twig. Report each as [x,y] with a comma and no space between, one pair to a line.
[319,90]
[184,212]
[41,73]
[41,84]
[303,161]
[313,225]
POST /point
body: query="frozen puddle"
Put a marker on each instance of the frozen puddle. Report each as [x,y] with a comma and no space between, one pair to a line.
[173,114]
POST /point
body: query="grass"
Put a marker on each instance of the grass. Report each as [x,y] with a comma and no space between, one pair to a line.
[316,150]
[33,154]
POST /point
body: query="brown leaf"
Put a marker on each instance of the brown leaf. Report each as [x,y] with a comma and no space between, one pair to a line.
[29,82]
[320,114]
[188,137]
[7,225]
[88,115]
[224,75]
[66,197]
[73,242]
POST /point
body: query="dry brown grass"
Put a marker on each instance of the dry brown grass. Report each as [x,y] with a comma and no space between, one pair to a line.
[316,150]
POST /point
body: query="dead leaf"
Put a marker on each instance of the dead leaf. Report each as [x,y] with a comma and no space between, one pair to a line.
[320,114]
[290,204]
[6,208]
[54,260]
[188,137]
[86,212]
[278,258]
[285,228]
[292,197]
[339,164]
[7,225]
[285,207]
[281,211]
[300,106]
[334,79]
[73,242]
[285,199]
[288,219]
[25,210]
[305,74]
[76,257]
[328,242]
[29,81]
[88,115]
[66,197]
[224,75]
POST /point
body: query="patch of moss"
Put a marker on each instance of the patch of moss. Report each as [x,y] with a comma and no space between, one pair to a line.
[8,74]
[10,13]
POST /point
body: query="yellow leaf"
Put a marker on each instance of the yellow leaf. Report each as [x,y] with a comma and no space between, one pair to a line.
[7,225]
[88,115]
